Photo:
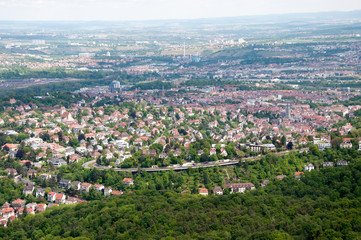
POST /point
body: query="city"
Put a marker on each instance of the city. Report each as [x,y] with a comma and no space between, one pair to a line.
[233,129]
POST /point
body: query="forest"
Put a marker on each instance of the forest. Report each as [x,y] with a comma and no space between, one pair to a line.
[323,204]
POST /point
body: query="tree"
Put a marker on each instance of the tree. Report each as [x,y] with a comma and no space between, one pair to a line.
[283,140]
[20,154]
[74,142]
[290,146]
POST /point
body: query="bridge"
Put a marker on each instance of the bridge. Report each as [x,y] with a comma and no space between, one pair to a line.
[186,166]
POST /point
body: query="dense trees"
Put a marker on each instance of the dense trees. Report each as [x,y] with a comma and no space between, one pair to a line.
[322,205]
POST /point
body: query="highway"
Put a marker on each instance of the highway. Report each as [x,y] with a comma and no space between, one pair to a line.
[220,163]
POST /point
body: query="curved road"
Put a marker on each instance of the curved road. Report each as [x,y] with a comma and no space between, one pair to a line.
[220,163]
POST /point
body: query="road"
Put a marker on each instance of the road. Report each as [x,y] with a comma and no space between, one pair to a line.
[220,163]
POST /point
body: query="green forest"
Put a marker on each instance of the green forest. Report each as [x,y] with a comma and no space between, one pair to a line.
[323,204]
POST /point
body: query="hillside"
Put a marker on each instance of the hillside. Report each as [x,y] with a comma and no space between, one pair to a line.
[324,204]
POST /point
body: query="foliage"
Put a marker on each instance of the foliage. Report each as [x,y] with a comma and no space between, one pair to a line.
[324,204]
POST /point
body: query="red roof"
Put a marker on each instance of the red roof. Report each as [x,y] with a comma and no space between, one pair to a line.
[203,190]
[127,180]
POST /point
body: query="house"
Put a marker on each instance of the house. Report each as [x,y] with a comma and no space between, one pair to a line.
[30,211]
[213,124]
[75,185]
[107,191]
[269,146]
[8,212]
[41,155]
[264,183]
[28,190]
[98,187]
[327,164]
[31,205]
[18,203]
[85,187]
[152,153]
[40,192]
[31,173]
[341,163]
[51,196]
[309,167]
[212,151]
[217,191]
[60,198]
[6,205]
[10,147]
[117,193]
[56,162]
[203,191]
[240,187]
[298,175]
[71,200]
[11,171]
[177,153]
[41,207]
[128,181]
[224,153]
[44,176]
[65,183]
[322,146]
[302,141]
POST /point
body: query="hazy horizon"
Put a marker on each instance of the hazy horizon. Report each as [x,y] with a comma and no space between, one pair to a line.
[123,10]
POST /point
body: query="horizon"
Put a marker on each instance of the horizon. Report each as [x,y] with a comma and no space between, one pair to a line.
[159,10]
[187,19]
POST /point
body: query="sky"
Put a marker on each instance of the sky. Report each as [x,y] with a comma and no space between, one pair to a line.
[115,10]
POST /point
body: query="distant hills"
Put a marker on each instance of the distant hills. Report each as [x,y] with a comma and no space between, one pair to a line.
[351,17]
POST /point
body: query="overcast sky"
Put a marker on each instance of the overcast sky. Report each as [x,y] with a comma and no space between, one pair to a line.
[160,9]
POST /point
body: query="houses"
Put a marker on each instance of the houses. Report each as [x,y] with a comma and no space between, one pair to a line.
[309,167]
[217,191]
[346,143]
[341,163]
[327,164]
[203,191]
[240,187]
[128,181]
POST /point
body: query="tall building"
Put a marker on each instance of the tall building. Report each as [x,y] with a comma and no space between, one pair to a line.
[288,111]
[115,86]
